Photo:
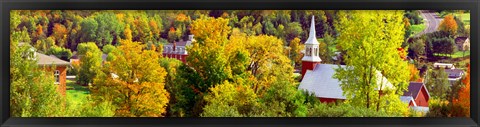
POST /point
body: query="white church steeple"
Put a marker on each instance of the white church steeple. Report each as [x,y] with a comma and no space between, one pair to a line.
[311,46]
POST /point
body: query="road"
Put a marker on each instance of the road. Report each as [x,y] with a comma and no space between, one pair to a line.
[432,21]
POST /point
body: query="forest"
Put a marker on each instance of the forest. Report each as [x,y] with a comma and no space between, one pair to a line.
[241,64]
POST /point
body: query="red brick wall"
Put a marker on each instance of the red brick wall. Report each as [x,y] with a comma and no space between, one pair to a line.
[182,58]
[62,87]
[328,100]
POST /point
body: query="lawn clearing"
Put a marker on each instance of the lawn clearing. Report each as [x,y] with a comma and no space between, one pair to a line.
[465,17]
[75,92]
[457,54]
[417,28]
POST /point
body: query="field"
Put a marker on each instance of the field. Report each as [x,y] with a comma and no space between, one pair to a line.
[76,93]
[457,54]
[417,28]
[465,18]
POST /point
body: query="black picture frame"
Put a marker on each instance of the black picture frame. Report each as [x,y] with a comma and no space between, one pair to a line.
[7,5]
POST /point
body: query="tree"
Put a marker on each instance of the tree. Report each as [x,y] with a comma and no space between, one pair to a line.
[437,83]
[89,30]
[293,30]
[449,25]
[207,55]
[229,100]
[371,40]
[60,52]
[90,62]
[133,81]
[414,76]
[109,28]
[182,96]
[295,51]
[32,91]
[416,49]
[108,49]
[463,99]
[60,34]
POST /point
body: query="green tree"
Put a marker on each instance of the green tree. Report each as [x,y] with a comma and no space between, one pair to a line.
[90,62]
[33,92]
[60,52]
[229,100]
[293,30]
[371,39]
[437,83]
[88,30]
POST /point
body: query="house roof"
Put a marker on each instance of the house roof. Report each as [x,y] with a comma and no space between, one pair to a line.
[414,88]
[320,81]
[104,57]
[49,60]
[460,39]
[454,73]
[181,43]
[408,99]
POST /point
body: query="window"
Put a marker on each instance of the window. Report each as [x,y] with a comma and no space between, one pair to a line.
[308,52]
[57,76]
[316,52]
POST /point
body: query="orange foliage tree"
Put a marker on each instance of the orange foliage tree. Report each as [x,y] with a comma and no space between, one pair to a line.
[463,99]
[449,25]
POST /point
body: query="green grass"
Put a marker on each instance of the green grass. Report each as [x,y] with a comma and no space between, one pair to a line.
[465,17]
[76,92]
[457,54]
[417,28]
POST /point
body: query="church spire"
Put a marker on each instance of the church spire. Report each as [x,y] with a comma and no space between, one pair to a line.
[312,39]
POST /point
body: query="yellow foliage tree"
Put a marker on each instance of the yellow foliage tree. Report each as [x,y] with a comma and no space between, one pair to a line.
[134,81]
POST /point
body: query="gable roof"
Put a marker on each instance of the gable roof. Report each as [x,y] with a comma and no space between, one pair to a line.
[49,60]
[408,99]
[414,88]
[454,73]
[460,39]
[320,81]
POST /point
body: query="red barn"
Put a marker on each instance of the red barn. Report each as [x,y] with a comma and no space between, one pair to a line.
[417,96]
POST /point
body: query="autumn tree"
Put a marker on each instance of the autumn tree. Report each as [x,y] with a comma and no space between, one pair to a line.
[133,81]
[295,51]
[230,100]
[32,91]
[449,25]
[207,56]
[414,74]
[90,62]
[463,99]
[60,34]
[371,39]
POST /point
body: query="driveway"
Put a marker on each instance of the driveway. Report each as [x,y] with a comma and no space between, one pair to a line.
[432,21]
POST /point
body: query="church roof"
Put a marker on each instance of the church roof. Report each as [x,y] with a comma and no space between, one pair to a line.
[312,39]
[320,81]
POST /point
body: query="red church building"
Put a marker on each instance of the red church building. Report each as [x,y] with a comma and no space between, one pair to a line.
[178,50]
[317,78]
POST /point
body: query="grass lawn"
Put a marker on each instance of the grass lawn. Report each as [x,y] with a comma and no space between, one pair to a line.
[76,92]
[417,28]
[457,54]
[465,17]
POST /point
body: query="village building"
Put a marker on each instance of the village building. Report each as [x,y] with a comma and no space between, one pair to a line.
[317,78]
[51,64]
[416,96]
[454,74]
[178,50]
[462,43]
